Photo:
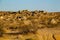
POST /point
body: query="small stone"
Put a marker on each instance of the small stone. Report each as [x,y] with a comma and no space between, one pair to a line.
[1,17]
[53,21]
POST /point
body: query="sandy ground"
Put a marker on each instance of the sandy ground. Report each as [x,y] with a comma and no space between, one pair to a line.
[42,34]
[49,34]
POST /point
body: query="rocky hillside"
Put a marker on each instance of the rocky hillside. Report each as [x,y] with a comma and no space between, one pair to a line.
[27,23]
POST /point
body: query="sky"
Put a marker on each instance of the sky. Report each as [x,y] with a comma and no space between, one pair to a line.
[15,5]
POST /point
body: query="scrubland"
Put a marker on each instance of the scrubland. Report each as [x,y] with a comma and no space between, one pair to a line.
[29,25]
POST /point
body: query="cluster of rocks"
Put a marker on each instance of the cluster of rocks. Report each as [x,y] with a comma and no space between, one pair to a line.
[28,21]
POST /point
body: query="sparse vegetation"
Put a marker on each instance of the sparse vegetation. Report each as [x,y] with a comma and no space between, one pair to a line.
[25,21]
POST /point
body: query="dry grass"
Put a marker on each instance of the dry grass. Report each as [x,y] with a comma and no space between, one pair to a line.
[29,25]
